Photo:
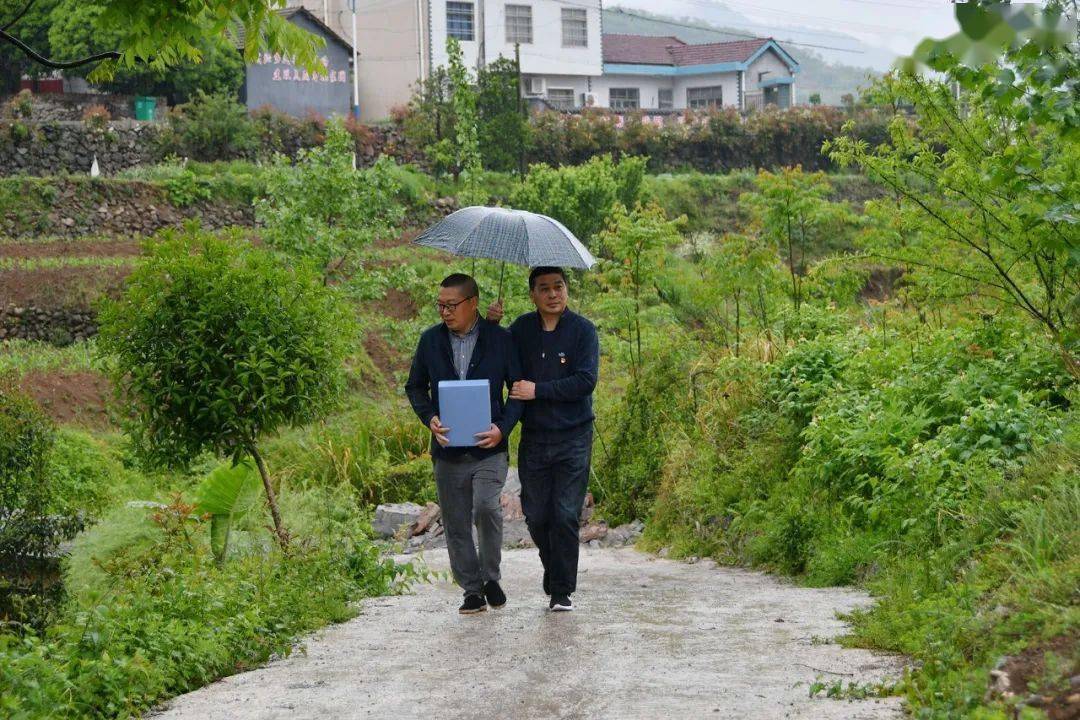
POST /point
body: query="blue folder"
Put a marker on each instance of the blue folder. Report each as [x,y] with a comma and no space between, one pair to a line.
[465,408]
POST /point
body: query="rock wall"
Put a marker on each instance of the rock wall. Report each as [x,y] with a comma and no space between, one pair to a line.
[58,327]
[28,147]
[52,148]
[53,107]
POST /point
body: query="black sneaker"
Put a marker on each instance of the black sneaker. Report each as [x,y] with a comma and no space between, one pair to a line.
[560,603]
[473,604]
[496,598]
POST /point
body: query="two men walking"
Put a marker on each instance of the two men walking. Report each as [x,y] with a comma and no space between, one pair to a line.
[549,361]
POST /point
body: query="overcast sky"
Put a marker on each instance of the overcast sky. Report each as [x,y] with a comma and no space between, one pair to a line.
[892,25]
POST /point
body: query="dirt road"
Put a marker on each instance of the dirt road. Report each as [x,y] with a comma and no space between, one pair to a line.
[650,638]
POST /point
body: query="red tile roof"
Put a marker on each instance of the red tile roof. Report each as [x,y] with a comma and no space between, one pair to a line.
[653,50]
[640,49]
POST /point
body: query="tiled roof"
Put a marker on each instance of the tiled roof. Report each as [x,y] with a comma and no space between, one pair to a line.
[641,49]
[652,50]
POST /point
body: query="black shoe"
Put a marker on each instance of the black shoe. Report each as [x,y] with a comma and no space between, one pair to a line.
[560,603]
[496,598]
[473,604]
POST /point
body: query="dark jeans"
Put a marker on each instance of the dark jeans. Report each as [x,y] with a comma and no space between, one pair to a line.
[554,477]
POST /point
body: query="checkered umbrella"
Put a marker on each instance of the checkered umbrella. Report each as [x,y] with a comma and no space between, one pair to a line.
[515,236]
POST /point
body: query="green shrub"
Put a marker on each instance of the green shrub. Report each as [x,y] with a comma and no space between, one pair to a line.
[321,208]
[171,620]
[581,197]
[81,474]
[209,127]
[216,344]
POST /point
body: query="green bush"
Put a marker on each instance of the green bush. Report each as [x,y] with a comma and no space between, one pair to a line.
[321,208]
[26,438]
[170,619]
[215,344]
[209,127]
[581,197]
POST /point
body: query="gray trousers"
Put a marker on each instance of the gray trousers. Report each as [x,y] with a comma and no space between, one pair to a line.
[469,493]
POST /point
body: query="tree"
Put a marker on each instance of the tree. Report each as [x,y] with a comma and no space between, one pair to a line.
[321,208]
[215,344]
[34,28]
[742,266]
[165,34]
[638,241]
[503,124]
[466,138]
[985,186]
[791,209]
[74,33]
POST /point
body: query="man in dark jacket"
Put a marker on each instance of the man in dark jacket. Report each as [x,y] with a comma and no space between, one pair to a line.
[469,479]
[560,358]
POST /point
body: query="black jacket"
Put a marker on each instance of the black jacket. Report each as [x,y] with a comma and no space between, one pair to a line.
[565,365]
[494,359]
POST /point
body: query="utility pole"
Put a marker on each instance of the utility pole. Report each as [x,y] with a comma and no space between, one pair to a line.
[481,45]
[520,109]
[355,68]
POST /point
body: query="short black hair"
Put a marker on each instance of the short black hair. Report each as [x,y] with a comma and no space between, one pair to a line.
[545,270]
[463,282]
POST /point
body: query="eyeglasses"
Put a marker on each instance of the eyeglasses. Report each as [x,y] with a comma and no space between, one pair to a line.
[451,307]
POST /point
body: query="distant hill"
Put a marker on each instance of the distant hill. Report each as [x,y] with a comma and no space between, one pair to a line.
[830,79]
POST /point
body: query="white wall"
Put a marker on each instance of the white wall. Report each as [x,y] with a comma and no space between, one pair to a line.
[578,83]
[391,57]
[648,88]
[729,81]
[768,61]
[545,55]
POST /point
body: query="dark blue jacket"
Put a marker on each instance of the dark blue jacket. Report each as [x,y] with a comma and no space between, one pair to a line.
[494,359]
[565,364]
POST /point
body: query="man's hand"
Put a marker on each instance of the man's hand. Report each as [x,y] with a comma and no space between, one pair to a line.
[489,438]
[495,312]
[439,431]
[523,390]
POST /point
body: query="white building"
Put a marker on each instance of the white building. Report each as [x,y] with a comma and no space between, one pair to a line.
[566,61]
[664,73]
[400,41]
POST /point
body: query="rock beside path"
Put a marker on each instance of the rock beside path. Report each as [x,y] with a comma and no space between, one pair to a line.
[420,528]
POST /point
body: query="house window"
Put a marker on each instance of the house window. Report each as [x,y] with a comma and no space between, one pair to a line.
[665,99]
[704,97]
[624,98]
[519,24]
[575,31]
[561,98]
[459,20]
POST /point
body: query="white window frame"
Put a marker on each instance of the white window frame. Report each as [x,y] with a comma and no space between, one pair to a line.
[661,103]
[574,35]
[623,103]
[519,25]
[707,102]
[455,16]
[572,104]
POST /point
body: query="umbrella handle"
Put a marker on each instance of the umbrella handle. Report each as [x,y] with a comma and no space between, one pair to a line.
[502,271]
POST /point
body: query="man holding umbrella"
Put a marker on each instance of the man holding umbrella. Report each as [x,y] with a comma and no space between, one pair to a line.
[559,356]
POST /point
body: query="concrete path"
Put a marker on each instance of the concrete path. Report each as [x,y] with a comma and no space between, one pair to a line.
[650,638]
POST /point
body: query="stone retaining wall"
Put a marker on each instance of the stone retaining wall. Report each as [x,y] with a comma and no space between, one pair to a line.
[58,327]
